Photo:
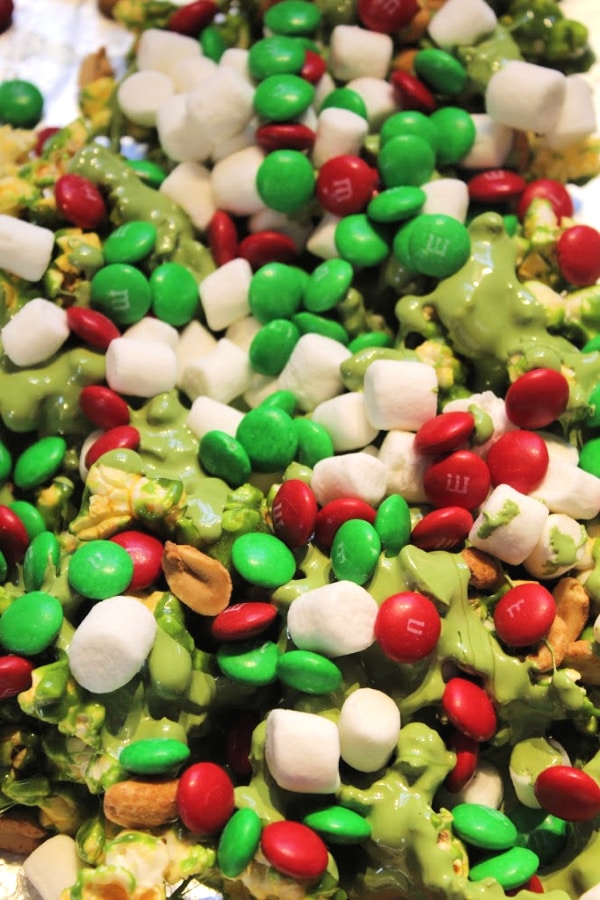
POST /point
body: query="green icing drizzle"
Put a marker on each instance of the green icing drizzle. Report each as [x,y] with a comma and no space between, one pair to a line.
[491,523]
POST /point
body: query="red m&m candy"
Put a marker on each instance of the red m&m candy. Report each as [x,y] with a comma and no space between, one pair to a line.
[294,849]
[123,437]
[518,458]
[442,529]
[345,185]
[496,186]
[335,513]
[146,552]
[568,793]
[14,539]
[578,254]
[411,92]
[222,237]
[524,614]
[407,627]
[80,201]
[294,513]
[467,754]
[387,16]
[15,675]
[537,398]
[103,407]
[192,18]
[285,135]
[92,326]
[444,433]
[460,479]
[242,621]
[314,67]
[547,189]
[205,798]
[469,709]
[267,246]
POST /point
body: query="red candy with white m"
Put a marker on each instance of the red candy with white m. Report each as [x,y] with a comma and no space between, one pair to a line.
[524,614]
[407,627]
[460,479]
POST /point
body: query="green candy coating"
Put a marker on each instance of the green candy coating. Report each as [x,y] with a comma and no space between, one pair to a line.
[285,180]
[5,461]
[269,438]
[238,842]
[370,339]
[438,245]
[396,203]
[272,346]
[281,98]
[130,242]
[284,400]
[457,133]
[392,524]
[484,826]
[42,554]
[247,663]
[345,98]
[328,285]
[406,159]
[311,323]
[314,442]
[275,55]
[30,516]
[510,869]
[121,292]
[223,456]
[275,292]
[355,551]
[308,672]
[174,292]
[31,623]
[39,462]
[100,569]
[440,70]
[263,559]
[154,756]
[21,103]
[212,43]
[339,825]
[295,17]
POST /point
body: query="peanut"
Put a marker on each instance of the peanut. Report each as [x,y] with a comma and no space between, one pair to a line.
[20,832]
[199,581]
[545,658]
[486,572]
[583,656]
[572,605]
[136,803]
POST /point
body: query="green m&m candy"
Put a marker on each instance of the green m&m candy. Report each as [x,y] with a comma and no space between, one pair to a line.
[5,461]
[282,399]
[263,559]
[248,663]
[42,555]
[223,456]
[30,516]
[275,55]
[311,323]
[309,672]
[392,524]
[396,203]
[174,291]
[275,292]
[438,245]
[130,242]
[339,825]
[360,241]
[269,438]
[39,462]
[239,842]
[154,756]
[314,442]
[406,159]
[410,121]
[212,43]
[456,130]
[121,292]
[295,17]
[511,869]
[148,171]
[355,551]
[484,826]
[100,569]
[589,457]
[285,180]
[280,98]
[345,98]
[21,103]
[327,285]
[272,346]
[440,70]
[31,623]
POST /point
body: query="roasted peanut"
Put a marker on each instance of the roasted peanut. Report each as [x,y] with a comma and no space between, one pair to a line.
[136,803]
[198,580]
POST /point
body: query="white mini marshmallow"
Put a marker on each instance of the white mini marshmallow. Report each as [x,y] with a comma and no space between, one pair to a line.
[339,131]
[321,242]
[485,787]
[461,22]
[355,51]
[400,394]
[234,182]
[312,373]
[224,294]
[207,414]
[351,475]
[243,331]
[560,547]
[35,332]
[449,196]
[592,893]
[223,104]
[492,406]
[111,644]
[509,524]
[369,726]
[140,368]
[239,141]
[149,328]
[302,751]
[260,387]
[335,619]
[344,418]
[191,72]
[25,248]
[559,449]
[222,374]
[182,139]
[141,94]
[577,117]
[190,186]
[526,96]
[404,466]
[237,58]
[90,439]
[160,50]
[194,342]
[568,489]
[53,866]
[379,97]
[493,142]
